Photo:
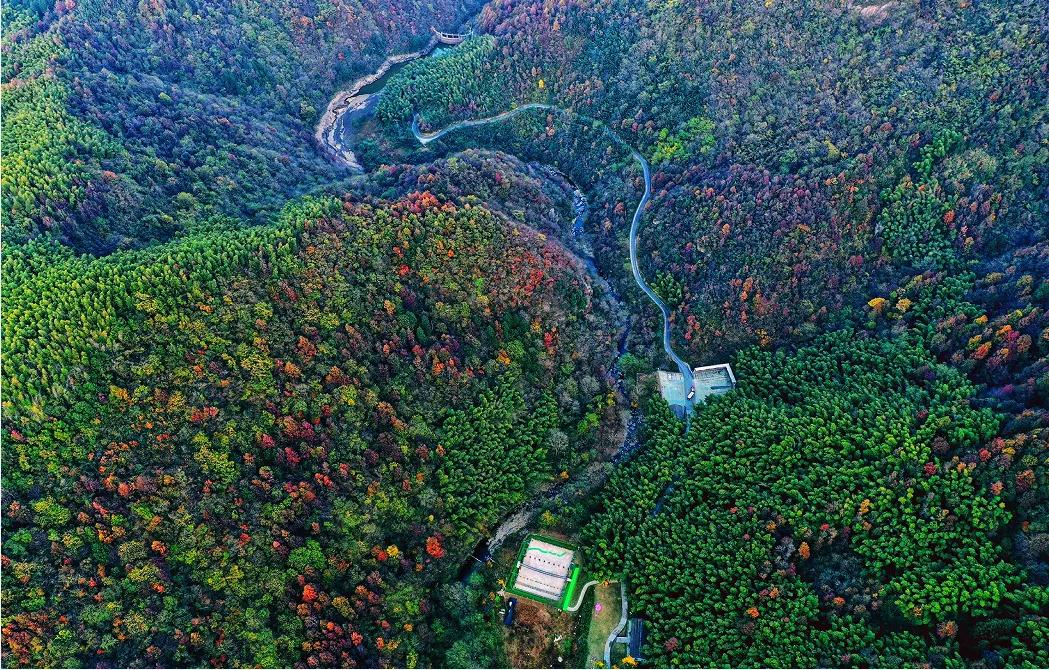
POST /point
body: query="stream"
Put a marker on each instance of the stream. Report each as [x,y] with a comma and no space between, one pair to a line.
[334,136]
[594,474]
[334,131]
[635,223]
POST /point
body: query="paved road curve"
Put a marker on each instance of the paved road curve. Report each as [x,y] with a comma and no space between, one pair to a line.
[619,627]
[426,138]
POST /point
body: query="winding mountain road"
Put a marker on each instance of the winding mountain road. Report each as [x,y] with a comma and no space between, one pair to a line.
[333,139]
[426,138]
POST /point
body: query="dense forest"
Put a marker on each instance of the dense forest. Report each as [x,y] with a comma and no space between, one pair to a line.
[135,121]
[800,152]
[848,504]
[872,497]
[267,450]
[272,440]
[258,412]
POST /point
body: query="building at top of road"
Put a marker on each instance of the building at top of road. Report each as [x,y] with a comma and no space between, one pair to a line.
[707,381]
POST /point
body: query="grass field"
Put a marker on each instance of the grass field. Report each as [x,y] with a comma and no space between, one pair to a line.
[602,623]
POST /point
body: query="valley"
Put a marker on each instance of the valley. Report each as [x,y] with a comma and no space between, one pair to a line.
[525,334]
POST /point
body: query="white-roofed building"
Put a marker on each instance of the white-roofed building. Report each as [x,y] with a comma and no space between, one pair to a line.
[707,381]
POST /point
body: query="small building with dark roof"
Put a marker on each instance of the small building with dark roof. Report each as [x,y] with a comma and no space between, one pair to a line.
[636,638]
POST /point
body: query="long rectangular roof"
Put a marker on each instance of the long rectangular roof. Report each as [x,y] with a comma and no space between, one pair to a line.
[544,569]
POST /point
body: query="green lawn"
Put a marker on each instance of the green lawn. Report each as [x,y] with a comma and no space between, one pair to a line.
[602,623]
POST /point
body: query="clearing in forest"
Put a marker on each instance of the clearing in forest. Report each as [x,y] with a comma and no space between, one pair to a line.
[603,621]
[544,570]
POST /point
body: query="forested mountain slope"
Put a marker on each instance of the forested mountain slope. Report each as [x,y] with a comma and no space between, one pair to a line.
[133,121]
[847,505]
[269,447]
[878,169]
[255,413]
[269,444]
[800,151]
